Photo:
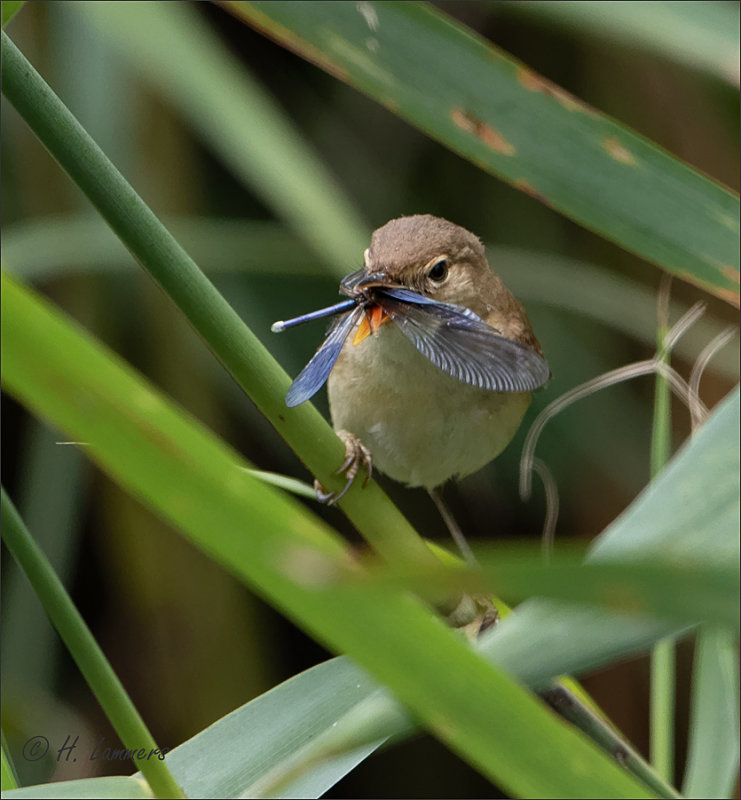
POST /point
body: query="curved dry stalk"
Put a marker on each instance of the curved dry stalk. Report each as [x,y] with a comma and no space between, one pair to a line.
[437,497]
[651,366]
[682,325]
[639,368]
[702,361]
[551,506]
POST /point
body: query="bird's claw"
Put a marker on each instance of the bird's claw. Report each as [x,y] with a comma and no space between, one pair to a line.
[357,455]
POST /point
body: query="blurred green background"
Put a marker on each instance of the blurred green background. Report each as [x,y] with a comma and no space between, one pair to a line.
[175,620]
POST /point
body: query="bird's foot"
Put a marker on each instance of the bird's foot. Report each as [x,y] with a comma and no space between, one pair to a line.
[357,455]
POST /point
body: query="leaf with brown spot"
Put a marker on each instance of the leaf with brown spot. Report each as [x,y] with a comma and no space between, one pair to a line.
[537,83]
[432,71]
[487,134]
[524,185]
[616,150]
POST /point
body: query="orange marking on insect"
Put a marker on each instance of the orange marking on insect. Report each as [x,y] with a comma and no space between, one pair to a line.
[378,317]
[374,317]
[362,332]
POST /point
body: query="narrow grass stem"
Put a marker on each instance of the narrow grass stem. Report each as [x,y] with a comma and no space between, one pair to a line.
[661,430]
[233,343]
[455,531]
[578,713]
[85,650]
[662,711]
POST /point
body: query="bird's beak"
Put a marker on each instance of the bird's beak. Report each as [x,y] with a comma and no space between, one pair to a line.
[369,280]
[354,284]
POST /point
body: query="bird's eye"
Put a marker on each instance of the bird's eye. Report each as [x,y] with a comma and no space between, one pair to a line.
[439,270]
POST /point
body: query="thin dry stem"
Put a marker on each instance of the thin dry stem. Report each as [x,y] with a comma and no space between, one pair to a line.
[648,367]
[688,394]
[551,505]
[697,371]
[455,531]
[683,324]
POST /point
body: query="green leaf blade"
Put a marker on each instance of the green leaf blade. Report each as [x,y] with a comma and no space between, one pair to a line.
[689,513]
[497,113]
[265,736]
[9,9]
[117,787]
[712,762]
[291,557]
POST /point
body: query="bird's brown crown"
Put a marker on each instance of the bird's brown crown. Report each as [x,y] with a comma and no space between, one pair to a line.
[406,245]
[407,250]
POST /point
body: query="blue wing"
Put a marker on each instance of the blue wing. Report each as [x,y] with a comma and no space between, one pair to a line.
[313,376]
[461,344]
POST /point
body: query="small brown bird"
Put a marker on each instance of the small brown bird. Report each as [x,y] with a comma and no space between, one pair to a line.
[432,364]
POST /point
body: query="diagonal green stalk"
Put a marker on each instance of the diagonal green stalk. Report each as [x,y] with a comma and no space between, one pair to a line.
[8,775]
[663,671]
[234,344]
[252,135]
[661,430]
[663,674]
[293,559]
[10,9]
[92,169]
[85,650]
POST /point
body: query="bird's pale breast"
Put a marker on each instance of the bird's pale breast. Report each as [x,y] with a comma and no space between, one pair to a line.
[421,425]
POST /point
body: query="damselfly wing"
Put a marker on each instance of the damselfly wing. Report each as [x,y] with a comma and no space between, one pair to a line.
[451,337]
[460,343]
